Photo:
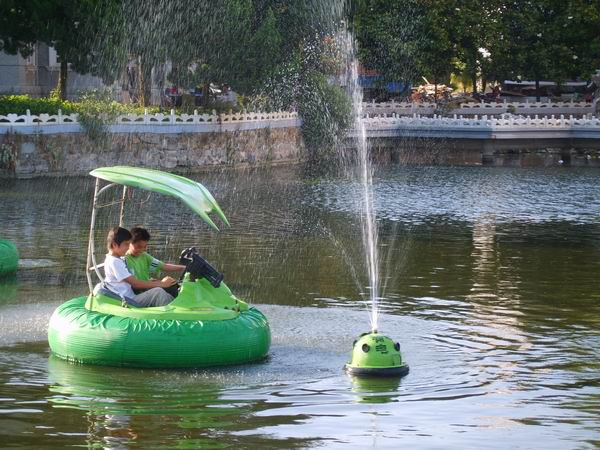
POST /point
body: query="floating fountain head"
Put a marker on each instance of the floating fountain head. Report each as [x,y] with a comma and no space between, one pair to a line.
[376,355]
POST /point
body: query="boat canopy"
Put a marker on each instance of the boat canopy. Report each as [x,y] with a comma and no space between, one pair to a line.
[192,193]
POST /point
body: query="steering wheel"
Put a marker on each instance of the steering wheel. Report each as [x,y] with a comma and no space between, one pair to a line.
[186,258]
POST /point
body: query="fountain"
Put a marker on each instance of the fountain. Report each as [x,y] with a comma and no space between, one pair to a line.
[373,354]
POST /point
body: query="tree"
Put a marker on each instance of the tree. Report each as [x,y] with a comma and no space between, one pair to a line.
[548,39]
[77,29]
[18,32]
[72,27]
[437,52]
[215,42]
[580,25]
[390,36]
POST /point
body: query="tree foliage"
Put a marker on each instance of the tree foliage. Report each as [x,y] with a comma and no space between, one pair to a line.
[488,40]
[391,35]
[72,27]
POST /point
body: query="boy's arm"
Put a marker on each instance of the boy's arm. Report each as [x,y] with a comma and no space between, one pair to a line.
[172,267]
[156,266]
[140,284]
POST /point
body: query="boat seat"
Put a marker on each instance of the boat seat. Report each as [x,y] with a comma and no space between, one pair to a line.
[101,289]
[107,293]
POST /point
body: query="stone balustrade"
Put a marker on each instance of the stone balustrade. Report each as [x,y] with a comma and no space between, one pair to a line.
[381,125]
[41,119]
[546,108]
[400,108]
[485,121]
[483,127]
[159,122]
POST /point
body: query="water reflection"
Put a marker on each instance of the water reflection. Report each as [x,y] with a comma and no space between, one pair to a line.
[9,287]
[186,409]
[121,405]
[374,389]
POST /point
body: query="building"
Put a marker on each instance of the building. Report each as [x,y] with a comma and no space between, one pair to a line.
[37,75]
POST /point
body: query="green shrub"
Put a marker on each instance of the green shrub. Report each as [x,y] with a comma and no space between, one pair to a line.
[96,110]
[326,112]
[100,102]
[19,104]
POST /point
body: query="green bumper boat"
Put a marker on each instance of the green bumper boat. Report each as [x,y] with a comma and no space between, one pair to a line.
[205,325]
[9,257]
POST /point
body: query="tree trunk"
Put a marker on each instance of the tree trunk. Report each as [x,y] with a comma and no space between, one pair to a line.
[435,96]
[141,83]
[145,81]
[474,78]
[61,88]
[160,81]
[537,89]
[205,94]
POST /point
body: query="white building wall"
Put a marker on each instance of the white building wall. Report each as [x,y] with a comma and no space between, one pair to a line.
[37,75]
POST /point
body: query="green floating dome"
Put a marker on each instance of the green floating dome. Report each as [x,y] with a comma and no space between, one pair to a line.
[376,355]
[205,325]
[9,257]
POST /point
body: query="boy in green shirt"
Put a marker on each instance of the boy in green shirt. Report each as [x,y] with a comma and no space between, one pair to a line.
[142,265]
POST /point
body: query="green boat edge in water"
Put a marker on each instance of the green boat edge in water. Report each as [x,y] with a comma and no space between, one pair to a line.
[9,257]
[90,337]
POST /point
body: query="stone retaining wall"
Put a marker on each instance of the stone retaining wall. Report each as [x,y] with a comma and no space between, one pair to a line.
[75,153]
[471,152]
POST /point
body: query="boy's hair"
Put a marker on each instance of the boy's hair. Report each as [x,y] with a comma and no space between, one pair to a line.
[139,234]
[117,236]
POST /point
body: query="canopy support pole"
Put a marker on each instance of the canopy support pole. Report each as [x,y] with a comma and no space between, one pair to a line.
[90,256]
[122,213]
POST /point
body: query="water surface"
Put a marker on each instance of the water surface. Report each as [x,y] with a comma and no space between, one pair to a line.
[490,284]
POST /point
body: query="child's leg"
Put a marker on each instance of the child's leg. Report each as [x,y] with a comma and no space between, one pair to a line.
[173,290]
[153,297]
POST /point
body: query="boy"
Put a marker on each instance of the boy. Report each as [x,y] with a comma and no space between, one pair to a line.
[143,265]
[120,280]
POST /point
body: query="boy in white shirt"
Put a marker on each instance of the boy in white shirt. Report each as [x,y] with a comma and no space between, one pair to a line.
[120,280]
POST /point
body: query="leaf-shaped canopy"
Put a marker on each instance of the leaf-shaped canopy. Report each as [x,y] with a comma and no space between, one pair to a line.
[193,194]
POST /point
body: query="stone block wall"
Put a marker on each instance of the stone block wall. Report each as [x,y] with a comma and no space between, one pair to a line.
[66,154]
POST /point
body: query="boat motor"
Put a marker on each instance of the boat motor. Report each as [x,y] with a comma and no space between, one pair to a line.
[198,267]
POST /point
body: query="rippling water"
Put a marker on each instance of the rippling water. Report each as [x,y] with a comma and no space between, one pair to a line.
[490,286]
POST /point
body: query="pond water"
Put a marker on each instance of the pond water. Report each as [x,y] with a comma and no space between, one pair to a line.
[490,285]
